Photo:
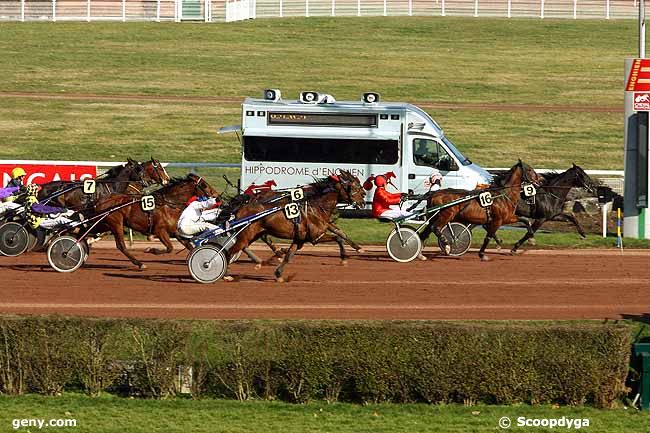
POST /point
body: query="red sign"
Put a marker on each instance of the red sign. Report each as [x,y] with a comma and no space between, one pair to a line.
[639,79]
[43,173]
[642,101]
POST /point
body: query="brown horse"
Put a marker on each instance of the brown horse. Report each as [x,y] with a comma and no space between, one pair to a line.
[162,221]
[315,215]
[131,177]
[502,210]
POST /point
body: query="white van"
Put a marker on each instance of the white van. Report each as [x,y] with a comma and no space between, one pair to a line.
[290,143]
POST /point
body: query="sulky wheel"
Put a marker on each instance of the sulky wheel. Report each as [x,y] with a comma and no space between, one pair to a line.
[403,245]
[66,254]
[459,237]
[14,239]
[207,263]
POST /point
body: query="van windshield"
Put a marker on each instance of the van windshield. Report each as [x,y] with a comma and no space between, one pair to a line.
[452,148]
[324,150]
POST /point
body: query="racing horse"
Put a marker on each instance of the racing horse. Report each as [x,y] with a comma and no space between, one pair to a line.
[506,194]
[321,198]
[162,221]
[335,234]
[548,203]
[130,177]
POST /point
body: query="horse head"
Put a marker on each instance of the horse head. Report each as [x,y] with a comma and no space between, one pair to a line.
[349,188]
[153,171]
[583,180]
[201,187]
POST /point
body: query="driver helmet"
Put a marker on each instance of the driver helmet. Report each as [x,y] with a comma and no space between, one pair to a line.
[18,172]
[380,181]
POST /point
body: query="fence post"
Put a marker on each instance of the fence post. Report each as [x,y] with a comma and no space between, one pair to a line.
[385,8]
[442,10]
[53,10]
[410,8]
[88,12]
[22,11]
[307,8]
[158,11]
[206,13]
[358,8]
[333,8]
[123,10]
[575,9]
[607,9]
[475,8]
[541,9]
[509,8]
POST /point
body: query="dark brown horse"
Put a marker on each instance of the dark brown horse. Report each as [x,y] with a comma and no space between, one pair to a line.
[314,216]
[505,196]
[131,177]
[162,221]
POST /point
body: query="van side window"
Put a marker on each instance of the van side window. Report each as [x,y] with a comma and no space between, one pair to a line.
[325,150]
[429,153]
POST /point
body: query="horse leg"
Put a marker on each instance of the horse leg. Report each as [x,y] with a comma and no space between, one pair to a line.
[121,245]
[526,221]
[445,242]
[337,231]
[277,252]
[280,269]
[571,219]
[251,255]
[163,236]
[529,234]
[497,240]
[339,241]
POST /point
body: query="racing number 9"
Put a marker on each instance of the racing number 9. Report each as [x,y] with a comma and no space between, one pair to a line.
[529,190]
[148,203]
[485,199]
[89,186]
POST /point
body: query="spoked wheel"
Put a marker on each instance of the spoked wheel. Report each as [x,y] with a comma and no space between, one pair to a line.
[403,245]
[459,237]
[207,264]
[66,254]
[14,239]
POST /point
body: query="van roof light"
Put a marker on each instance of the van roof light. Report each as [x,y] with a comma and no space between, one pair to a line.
[370,97]
[272,95]
[311,97]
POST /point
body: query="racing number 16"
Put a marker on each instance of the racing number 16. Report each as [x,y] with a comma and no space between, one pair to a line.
[485,199]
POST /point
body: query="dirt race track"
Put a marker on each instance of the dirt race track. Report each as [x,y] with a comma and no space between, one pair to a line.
[537,285]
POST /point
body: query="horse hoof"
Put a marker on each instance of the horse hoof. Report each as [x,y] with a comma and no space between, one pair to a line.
[344,262]
[279,280]
[142,267]
[147,250]
[498,247]
[485,259]
[422,257]
[361,250]
[258,266]
[447,249]
[532,241]
[279,259]
[514,252]
[228,278]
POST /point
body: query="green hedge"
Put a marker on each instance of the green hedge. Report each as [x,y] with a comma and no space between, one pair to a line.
[299,361]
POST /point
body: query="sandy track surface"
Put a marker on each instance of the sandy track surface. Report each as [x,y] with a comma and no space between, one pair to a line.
[537,285]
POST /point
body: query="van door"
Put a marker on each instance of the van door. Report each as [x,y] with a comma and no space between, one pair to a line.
[428,154]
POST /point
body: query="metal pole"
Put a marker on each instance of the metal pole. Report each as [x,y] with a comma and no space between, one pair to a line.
[410,8]
[158,11]
[358,8]
[88,12]
[333,8]
[307,8]
[509,8]
[575,9]
[442,10]
[22,10]
[607,9]
[53,10]
[642,29]
[541,9]
[385,8]
[475,8]
[123,10]
[605,210]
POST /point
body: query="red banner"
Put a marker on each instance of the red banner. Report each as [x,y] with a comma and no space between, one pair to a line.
[43,173]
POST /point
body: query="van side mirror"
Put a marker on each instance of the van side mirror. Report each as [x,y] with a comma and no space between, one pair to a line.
[447,164]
